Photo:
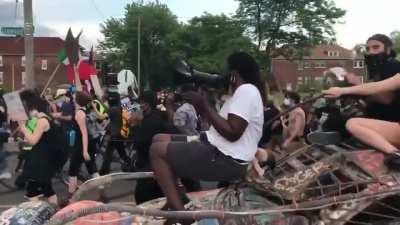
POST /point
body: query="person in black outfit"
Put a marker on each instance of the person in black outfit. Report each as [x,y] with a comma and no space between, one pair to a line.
[152,124]
[116,142]
[42,161]
[82,152]
[382,64]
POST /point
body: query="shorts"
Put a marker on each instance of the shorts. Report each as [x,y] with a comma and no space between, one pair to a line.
[200,160]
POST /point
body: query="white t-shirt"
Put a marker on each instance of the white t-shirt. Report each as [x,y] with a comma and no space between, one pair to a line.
[246,103]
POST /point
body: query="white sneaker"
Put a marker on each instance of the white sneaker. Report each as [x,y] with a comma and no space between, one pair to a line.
[5,175]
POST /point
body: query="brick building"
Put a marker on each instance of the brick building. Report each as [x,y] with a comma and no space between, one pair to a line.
[12,62]
[290,74]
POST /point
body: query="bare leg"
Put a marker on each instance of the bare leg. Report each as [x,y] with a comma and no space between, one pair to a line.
[380,134]
[164,175]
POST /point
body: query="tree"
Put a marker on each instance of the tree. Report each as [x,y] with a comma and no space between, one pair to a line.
[208,40]
[289,27]
[157,26]
[395,35]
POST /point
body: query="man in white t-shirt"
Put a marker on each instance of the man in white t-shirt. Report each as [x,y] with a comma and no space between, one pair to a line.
[223,152]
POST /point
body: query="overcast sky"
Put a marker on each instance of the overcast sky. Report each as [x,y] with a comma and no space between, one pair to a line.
[53,17]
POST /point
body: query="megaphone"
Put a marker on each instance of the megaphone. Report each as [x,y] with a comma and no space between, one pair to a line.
[189,75]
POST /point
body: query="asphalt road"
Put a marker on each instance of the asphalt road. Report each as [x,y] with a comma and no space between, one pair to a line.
[9,195]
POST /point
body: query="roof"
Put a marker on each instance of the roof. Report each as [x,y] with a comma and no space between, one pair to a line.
[322,52]
[42,45]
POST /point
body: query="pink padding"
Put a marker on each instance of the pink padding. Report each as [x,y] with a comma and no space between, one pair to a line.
[110,218]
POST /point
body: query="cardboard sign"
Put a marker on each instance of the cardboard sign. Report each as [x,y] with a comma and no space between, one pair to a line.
[15,108]
[96,86]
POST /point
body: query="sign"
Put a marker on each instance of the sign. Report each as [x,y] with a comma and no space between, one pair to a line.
[13,30]
[96,86]
[126,79]
[15,108]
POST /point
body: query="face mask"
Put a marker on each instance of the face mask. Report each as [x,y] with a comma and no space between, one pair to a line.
[375,63]
[287,102]
[33,113]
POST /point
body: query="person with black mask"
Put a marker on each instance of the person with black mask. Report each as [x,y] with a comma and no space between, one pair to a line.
[116,142]
[383,135]
[150,125]
[382,64]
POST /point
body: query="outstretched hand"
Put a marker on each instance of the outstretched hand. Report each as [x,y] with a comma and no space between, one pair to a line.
[333,92]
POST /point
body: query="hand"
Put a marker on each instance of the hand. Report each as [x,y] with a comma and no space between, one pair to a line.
[86,156]
[353,79]
[198,101]
[334,92]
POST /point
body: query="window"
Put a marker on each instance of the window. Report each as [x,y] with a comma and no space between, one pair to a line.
[289,87]
[307,64]
[44,64]
[1,78]
[1,60]
[23,78]
[342,63]
[358,64]
[23,59]
[320,64]
[319,79]
[333,53]
[300,65]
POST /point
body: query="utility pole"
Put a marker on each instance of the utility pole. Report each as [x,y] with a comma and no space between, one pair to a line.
[29,58]
[138,48]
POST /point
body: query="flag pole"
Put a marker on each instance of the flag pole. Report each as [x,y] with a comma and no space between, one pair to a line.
[50,79]
[77,79]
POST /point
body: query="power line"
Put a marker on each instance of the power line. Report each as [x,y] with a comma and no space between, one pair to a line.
[97,9]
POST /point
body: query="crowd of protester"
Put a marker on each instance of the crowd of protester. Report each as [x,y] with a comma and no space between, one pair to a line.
[184,136]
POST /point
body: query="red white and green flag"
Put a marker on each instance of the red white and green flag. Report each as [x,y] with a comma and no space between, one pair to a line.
[63,58]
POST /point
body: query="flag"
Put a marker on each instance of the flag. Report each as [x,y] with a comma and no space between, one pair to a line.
[62,57]
[84,70]
[90,60]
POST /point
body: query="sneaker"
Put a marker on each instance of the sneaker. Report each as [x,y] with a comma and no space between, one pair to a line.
[392,161]
[5,175]
[324,138]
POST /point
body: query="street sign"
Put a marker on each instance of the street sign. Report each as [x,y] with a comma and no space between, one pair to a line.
[13,30]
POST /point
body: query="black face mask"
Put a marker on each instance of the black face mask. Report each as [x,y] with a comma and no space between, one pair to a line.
[375,63]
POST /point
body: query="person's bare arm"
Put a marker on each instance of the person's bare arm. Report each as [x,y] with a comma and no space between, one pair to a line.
[388,85]
[32,139]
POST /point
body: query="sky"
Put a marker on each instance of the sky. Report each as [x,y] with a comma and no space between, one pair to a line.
[53,17]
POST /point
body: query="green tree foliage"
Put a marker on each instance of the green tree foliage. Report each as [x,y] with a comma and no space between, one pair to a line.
[396,42]
[208,40]
[158,25]
[289,27]
[204,41]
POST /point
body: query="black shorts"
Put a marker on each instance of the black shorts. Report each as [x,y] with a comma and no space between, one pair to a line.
[199,160]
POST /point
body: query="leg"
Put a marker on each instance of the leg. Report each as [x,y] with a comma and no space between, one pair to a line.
[164,175]
[91,165]
[32,191]
[380,134]
[119,145]
[74,168]
[105,167]
[49,193]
